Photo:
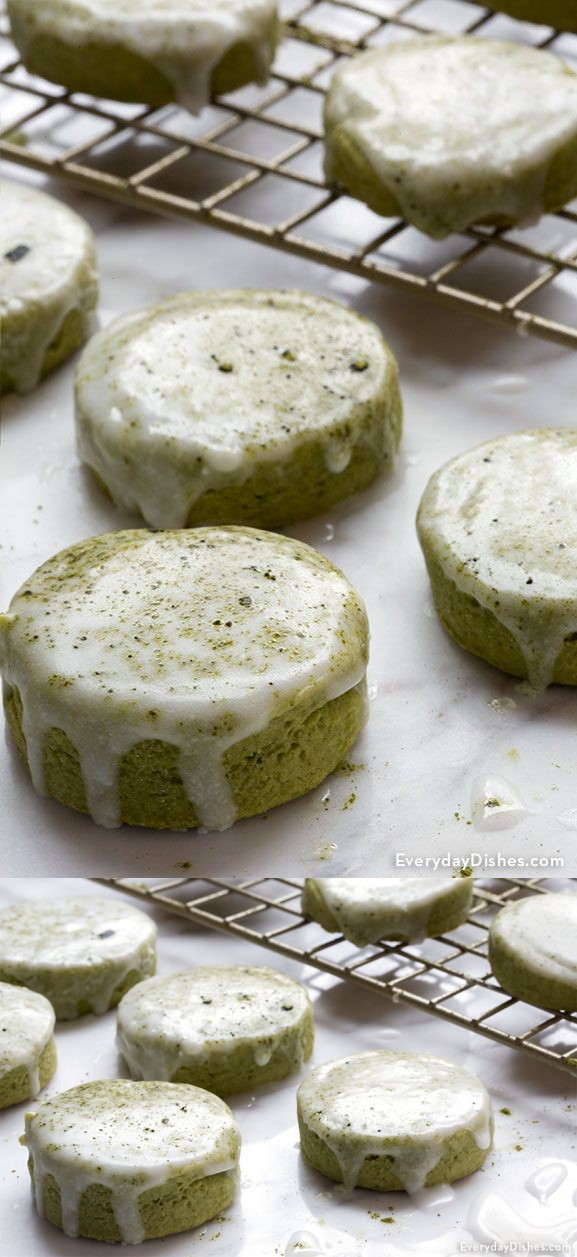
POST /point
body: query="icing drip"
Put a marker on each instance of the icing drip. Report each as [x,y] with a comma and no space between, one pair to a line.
[26,1028]
[128,1137]
[198,639]
[369,909]
[396,1104]
[75,951]
[501,520]
[185,39]
[196,393]
[205,1014]
[457,130]
[47,269]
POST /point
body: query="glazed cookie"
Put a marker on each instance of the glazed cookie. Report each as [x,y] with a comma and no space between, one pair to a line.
[393,1121]
[366,909]
[533,950]
[148,51]
[129,1161]
[450,132]
[82,954]
[184,678]
[27,1047]
[561,14]
[226,1029]
[237,407]
[498,529]
[49,285]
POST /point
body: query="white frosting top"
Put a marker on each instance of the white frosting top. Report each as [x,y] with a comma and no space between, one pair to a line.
[184,39]
[541,930]
[199,638]
[58,934]
[203,1013]
[501,520]
[47,268]
[457,130]
[129,1137]
[26,1027]
[396,1104]
[189,395]
[367,909]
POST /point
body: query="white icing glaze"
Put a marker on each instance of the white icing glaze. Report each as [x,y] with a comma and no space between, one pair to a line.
[457,130]
[129,1137]
[56,274]
[367,909]
[191,394]
[26,1027]
[198,638]
[398,1104]
[184,39]
[541,932]
[75,950]
[501,520]
[203,1015]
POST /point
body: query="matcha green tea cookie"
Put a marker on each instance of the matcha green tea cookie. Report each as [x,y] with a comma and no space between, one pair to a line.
[450,132]
[149,51]
[533,950]
[48,284]
[130,1161]
[226,1029]
[82,954]
[183,678]
[366,910]
[559,13]
[237,407]
[393,1121]
[498,529]
[27,1047]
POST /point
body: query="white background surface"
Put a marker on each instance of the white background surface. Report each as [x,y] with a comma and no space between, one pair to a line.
[434,727]
[280,1196]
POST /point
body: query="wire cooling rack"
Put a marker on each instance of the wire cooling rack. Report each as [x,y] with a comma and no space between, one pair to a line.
[252,165]
[449,976]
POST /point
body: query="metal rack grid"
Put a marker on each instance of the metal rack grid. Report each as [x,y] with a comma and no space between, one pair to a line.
[252,165]
[449,976]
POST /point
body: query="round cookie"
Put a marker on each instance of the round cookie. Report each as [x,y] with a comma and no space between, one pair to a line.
[184,678]
[228,1029]
[27,1047]
[127,1161]
[451,132]
[393,1121]
[366,910]
[82,954]
[246,406]
[498,529]
[533,950]
[147,51]
[561,14]
[49,285]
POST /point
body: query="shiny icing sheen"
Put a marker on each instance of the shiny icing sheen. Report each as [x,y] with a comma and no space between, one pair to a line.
[169,1022]
[79,948]
[198,638]
[398,1104]
[44,283]
[189,395]
[128,1137]
[542,931]
[26,1027]
[184,39]
[501,520]
[367,909]
[457,130]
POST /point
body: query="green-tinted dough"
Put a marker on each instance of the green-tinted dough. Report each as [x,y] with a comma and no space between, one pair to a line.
[444,913]
[533,950]
[462,1156]
[15,1086]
